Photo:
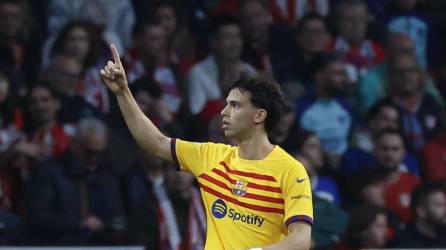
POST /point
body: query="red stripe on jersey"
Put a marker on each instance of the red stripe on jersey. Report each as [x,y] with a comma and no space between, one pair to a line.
[239,203]
[250,184]
[248,174]
[247,195]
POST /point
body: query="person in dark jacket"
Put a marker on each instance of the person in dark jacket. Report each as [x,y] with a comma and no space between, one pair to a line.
[74,199]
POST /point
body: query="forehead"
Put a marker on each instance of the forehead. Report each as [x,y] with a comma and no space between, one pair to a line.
[40,92]
[238,96]
[390,139]
[153,30]
[229,29]
[313,23]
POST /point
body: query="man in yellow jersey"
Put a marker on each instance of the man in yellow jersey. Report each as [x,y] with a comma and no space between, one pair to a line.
[256,195]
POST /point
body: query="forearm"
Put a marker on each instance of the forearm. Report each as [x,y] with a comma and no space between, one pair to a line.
[299,239]
[146,134]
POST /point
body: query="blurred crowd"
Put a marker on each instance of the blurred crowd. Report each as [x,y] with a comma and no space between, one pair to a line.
[364,83]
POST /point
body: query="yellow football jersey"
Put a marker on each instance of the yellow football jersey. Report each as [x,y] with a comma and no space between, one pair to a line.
[249,203]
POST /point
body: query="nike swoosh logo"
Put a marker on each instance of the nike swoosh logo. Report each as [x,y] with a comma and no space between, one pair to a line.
[301,180]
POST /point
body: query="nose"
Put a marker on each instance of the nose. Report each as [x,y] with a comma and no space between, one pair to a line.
[224,111]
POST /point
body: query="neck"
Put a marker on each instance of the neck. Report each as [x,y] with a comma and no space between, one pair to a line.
[425,229]
[45,126]
[322,93]
[391,176]
[255,148]
[407,96]
[225,64]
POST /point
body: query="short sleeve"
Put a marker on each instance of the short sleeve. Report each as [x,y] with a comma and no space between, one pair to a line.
[297,196]
[195,157]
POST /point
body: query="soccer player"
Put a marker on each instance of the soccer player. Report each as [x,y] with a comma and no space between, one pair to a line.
[256,195]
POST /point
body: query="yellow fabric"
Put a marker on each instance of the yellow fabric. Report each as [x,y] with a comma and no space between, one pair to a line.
[249,203]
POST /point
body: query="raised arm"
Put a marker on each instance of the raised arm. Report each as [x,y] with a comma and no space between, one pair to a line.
[146,134]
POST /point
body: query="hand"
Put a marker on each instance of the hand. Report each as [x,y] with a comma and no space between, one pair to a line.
[33,150]
[93,223]
[113,74]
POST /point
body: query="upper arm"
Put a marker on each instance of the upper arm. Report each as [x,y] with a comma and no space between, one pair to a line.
[165,148]
[297,196]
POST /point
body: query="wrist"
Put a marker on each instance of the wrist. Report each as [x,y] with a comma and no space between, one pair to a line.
[124,92]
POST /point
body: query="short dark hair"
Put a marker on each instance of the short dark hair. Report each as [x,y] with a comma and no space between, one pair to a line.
[264,3]
[389,131]
[422,193]
[140,26]
[301,136]
[145,83]
[321,61]
[46,85]
[307,18]
[377,107]
[264,93]
[361,218]
[350,3]
[220,21]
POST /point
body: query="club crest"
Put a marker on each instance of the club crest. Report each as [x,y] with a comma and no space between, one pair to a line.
[239,188]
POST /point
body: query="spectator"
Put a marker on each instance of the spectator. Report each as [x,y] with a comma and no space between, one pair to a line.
[181,217]
[11,143]
[46,135]
[74,199]
[406,18]
[65,76]
[351,19]
[365,187]
[375,83]
[312,37]
[148,96]
[210,79]
[428,226]
[285,131]
[77,40]
[325,111]
[142,207]
[181,46]
[267,46]
[331,224]
[19,50]
[149,58]
[309,151]
[10,132]
[294,11]
[434,159]
[382,116]
[399,184]
[367,228]
[115,17]
[421,115]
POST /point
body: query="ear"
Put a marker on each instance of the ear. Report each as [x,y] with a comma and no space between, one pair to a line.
[319,76]
[420,212]
[212,43]
[57,103]
[260,116]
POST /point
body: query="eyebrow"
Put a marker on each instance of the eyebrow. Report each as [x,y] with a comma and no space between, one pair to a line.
[232,102]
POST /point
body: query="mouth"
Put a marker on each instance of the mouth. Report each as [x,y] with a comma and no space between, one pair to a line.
[225,124]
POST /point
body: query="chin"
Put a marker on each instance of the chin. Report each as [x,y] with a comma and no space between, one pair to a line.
[230,135]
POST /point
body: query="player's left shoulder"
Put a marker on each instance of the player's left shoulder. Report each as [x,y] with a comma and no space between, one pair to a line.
[288,162]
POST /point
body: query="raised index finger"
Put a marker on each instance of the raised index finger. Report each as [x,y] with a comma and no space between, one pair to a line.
[115,55]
